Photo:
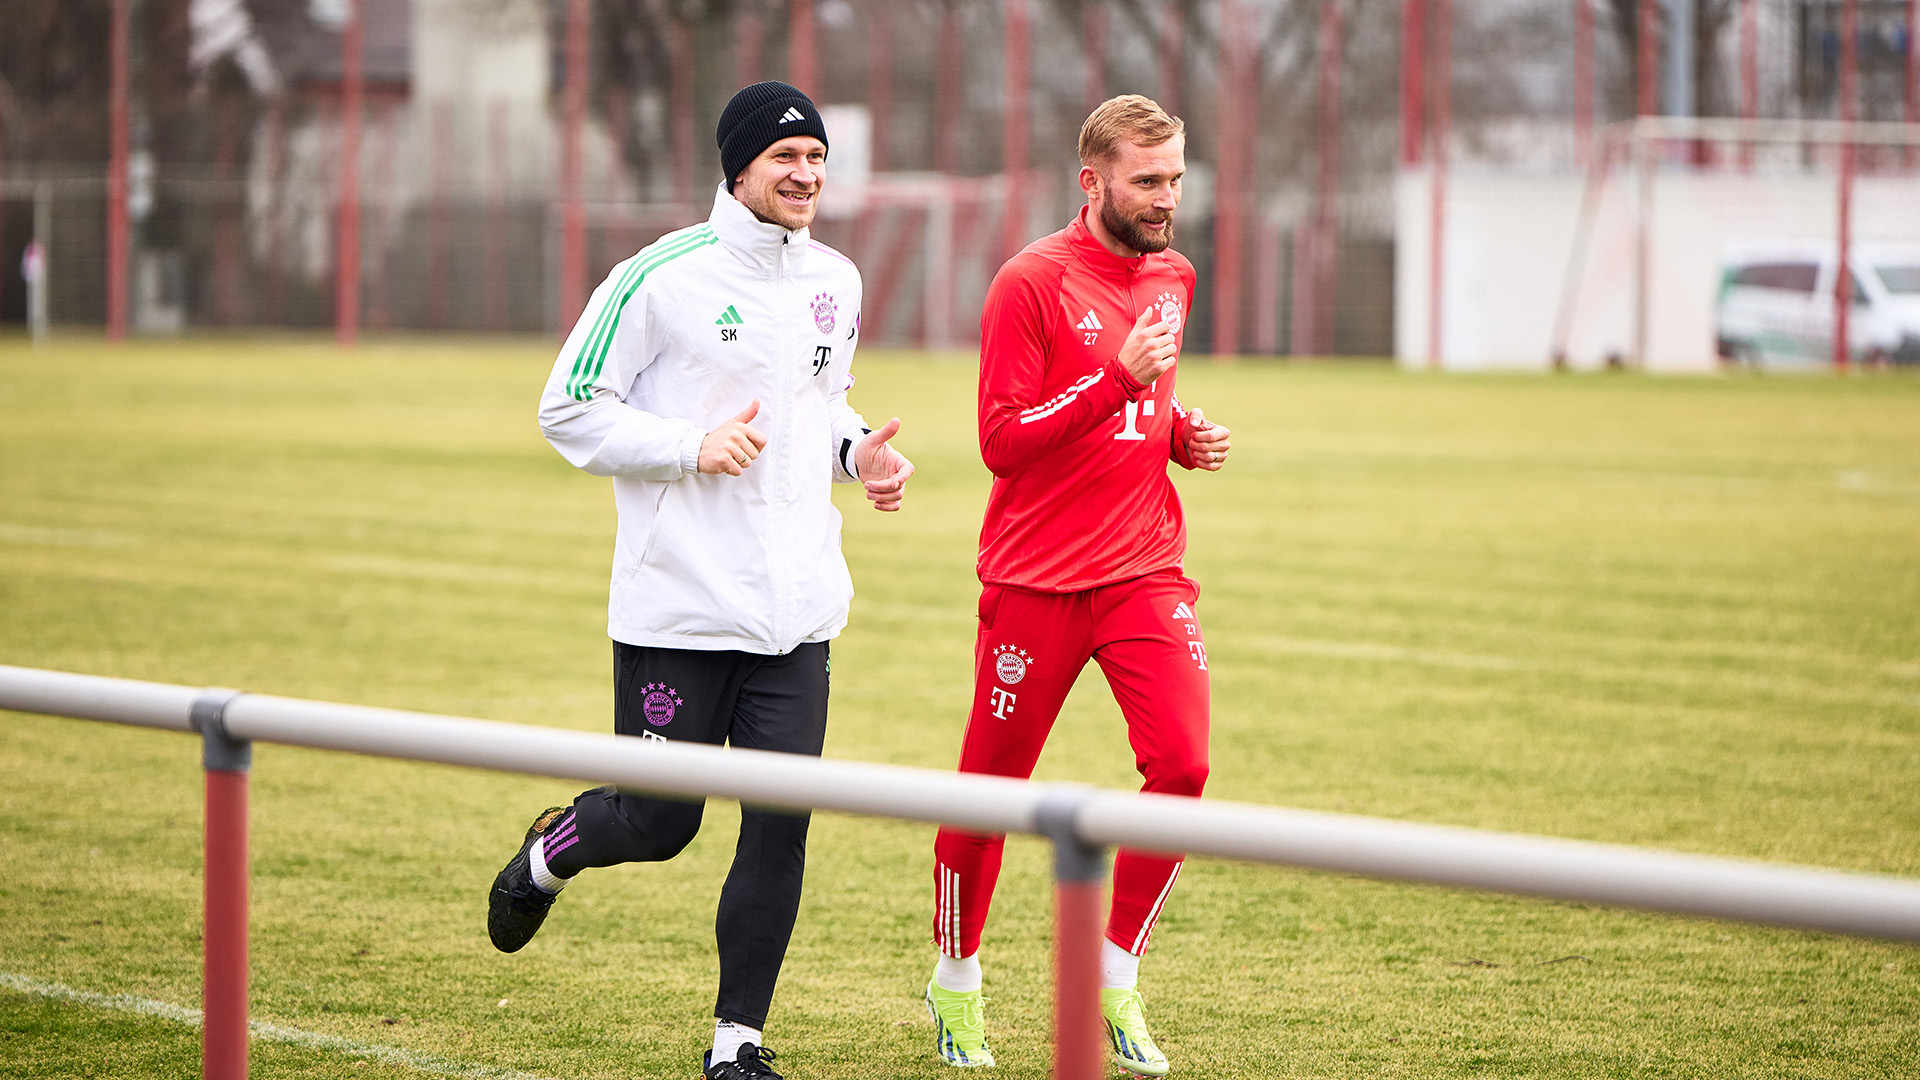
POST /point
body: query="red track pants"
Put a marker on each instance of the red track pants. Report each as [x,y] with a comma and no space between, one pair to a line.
[1031,647]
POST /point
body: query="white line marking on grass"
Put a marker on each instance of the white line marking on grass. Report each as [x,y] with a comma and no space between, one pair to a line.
[42,536]
[1364,650]
[386,1055]
[1788,686]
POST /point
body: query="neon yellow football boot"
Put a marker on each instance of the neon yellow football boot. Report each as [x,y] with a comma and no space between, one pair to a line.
[1127,1032]
[959,1026]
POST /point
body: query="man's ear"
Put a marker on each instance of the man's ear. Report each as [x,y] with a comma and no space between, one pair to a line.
[1089,181]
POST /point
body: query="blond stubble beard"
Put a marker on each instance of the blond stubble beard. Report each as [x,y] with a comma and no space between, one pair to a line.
[1129,233]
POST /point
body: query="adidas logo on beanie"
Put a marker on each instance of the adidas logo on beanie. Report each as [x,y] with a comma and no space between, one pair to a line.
[758,117]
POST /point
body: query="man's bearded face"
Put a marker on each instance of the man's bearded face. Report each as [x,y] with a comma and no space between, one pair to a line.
[1131,225]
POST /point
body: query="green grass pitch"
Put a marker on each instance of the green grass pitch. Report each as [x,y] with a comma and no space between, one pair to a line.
[1682,613]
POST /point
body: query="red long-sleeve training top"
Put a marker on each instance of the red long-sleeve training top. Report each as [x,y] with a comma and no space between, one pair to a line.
[1077,447]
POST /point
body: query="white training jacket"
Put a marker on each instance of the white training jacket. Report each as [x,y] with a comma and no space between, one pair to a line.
[678,339]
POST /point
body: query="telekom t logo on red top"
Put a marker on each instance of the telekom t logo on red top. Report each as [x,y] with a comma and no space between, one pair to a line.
[1131,414]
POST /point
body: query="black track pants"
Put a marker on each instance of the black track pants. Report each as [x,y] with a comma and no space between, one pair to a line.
[752,702]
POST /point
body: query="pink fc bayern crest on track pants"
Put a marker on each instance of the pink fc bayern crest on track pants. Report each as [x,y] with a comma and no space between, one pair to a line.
[1031,647]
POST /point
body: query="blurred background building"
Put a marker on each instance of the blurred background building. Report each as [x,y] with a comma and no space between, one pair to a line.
[477,165]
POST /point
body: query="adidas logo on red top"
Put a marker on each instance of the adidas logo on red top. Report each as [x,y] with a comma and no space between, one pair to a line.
[1091,322]
[1183,612]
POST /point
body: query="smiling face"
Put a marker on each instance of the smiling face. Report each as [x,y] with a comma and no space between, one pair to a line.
[782,185]
[1133,195]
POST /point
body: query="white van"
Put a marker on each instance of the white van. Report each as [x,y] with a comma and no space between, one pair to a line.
[1776,305]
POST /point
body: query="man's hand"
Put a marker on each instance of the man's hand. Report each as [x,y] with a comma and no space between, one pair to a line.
[1207,443]
[732,446]
[881,468]
[1150,348]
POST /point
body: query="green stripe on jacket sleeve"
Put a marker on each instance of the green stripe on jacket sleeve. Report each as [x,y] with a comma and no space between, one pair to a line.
[593,352]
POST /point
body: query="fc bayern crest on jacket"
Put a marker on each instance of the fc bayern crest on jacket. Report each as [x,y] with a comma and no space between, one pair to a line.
[1169,311]
[824,310]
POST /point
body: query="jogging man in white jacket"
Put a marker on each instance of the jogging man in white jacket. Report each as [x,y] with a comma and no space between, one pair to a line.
[708,377]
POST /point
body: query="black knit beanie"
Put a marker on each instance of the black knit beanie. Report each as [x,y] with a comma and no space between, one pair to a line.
[758,117]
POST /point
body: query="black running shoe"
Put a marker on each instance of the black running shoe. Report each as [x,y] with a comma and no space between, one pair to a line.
[750,1062]
[516,907]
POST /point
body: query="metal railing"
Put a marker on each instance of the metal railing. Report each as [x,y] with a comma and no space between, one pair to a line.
[1082,822]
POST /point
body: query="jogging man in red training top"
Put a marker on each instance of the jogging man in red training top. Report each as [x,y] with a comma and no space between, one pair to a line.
[1081,550]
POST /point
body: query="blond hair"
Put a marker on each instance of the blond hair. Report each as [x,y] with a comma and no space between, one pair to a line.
[1129,118]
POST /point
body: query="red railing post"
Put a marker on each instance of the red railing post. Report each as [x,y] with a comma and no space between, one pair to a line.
[1079,869]
[223,1032]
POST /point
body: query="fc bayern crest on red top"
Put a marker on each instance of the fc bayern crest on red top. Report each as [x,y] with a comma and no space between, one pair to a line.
[659,703]
[1010,663]
[1169,305]
[824,310]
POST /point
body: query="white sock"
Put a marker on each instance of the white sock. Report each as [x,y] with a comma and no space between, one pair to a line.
[729,1037]
[1119,969]
[543,878]
[961,976]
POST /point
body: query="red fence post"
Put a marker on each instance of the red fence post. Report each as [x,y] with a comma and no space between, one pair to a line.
[1912,95]
[499,183]
[1079,869]
[680,108]
[750,37]
[1749,73]
[1646,58]
[801,66]
[1093,28]
[946,93]
[346,304]
[1842,269]
[1228,185]
[1413,57]
[223,1032]
[1440,100]
[1326,223]
[573,219]
[118,245]
[3,178]
[1582,81]
[1013,130]
[1173,69]
[880,87]
[437,227]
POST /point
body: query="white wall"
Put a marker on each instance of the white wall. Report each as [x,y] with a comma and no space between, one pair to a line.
[1508,246]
